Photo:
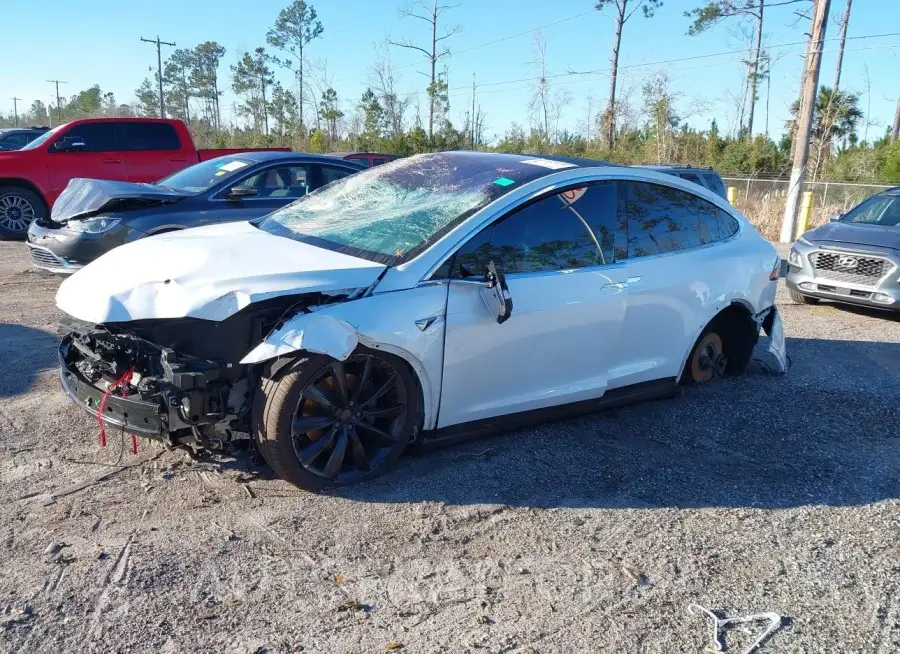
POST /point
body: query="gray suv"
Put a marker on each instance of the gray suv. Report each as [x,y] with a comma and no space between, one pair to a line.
[855,258]
[705,177]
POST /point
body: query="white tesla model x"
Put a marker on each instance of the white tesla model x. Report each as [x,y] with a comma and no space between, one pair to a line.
[418,302]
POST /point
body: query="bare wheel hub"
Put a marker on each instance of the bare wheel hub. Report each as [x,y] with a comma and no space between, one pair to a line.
[709,359]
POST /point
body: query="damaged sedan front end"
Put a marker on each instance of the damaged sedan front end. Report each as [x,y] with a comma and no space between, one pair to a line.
[179,381]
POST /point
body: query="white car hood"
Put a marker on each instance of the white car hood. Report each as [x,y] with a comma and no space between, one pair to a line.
[207,272]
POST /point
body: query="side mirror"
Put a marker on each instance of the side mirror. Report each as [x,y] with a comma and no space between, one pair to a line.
[495,294]
[70,144]
[239,192]
[835,217]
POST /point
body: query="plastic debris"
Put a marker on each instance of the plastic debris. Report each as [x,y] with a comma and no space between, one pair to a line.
[720,624]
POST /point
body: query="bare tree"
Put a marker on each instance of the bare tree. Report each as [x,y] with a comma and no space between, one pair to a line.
[622,16]
[383,82]
[845,20]
[430,13]
[539,105]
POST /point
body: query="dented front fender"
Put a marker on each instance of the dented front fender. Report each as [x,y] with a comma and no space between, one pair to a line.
[311,332]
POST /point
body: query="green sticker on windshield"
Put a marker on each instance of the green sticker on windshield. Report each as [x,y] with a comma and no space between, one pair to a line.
[504,181]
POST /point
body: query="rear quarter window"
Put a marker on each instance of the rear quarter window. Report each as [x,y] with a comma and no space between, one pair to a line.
[664,219]
[147,136]
[714,182]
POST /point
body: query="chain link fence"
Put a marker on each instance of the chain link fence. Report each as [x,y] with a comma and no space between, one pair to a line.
[762,200]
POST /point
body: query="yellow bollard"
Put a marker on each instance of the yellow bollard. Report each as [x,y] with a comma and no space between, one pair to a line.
[804,213]
[732,195]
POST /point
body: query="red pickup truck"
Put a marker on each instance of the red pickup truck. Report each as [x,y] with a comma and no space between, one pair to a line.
[126,149]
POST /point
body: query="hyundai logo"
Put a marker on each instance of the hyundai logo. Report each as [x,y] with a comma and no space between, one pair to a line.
[848,262]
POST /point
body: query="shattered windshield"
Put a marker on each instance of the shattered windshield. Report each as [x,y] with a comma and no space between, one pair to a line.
[203,176]
[392,212]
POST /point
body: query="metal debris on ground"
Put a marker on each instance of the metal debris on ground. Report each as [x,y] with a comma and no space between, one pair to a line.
[720,624]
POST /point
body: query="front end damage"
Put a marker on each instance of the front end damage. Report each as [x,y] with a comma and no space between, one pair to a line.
[177,381]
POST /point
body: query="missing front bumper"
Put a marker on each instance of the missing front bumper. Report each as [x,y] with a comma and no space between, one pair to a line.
[134,416]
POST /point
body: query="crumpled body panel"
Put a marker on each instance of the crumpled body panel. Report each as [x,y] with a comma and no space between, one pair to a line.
[208,272]
[89,197]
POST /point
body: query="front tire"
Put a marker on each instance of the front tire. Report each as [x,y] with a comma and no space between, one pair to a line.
[327,423]
[18,208]
[799,298]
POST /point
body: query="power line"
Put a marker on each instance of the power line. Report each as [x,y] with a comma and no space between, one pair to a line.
[481,45]
[58,113]
[580,76]
[159,44]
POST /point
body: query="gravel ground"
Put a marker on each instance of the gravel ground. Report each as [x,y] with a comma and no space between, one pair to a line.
[748,495]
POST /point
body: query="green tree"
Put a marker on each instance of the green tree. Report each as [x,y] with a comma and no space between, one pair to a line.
[624,10]
[205,79]
[330,112]
[177,82]
[284,111]
[317,141]
[295,28]
[252,77]
[373,120]
[37,113]
[147,95]
[835,116]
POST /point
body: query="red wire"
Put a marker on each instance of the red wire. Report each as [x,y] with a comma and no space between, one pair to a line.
[125,378]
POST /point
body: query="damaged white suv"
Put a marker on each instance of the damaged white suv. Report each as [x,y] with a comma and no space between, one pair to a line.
[418,302]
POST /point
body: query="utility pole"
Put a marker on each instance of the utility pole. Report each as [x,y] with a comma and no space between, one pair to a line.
[895,133]
[811,68]
[16,109]
[159,44]
[58,114]
[473,111]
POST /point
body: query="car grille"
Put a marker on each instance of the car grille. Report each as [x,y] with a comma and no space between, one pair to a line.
[45,258]
[834,265]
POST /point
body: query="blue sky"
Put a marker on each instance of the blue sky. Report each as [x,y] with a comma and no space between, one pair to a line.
[97,41]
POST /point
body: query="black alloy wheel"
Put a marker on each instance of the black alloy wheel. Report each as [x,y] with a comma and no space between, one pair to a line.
[332,423]
[348,419]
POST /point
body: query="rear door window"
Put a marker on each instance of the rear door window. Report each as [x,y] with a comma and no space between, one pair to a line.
[147,136]
[16,140]
[360,160]
[278,182]
[333,173]
[691,177]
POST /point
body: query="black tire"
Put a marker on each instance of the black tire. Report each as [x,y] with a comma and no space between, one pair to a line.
[18,207]
[301,423]
[799,298]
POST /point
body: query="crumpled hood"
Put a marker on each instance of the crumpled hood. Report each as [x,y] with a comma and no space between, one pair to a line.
[83,198]
[208,272]
[874,235]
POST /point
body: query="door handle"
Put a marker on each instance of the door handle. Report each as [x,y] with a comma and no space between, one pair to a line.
[633,280]
[111,161]
[177,158]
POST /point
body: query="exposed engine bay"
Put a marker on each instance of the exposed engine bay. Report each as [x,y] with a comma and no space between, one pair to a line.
[181,380]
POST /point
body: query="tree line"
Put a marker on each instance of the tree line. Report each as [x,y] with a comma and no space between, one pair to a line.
[652,123]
